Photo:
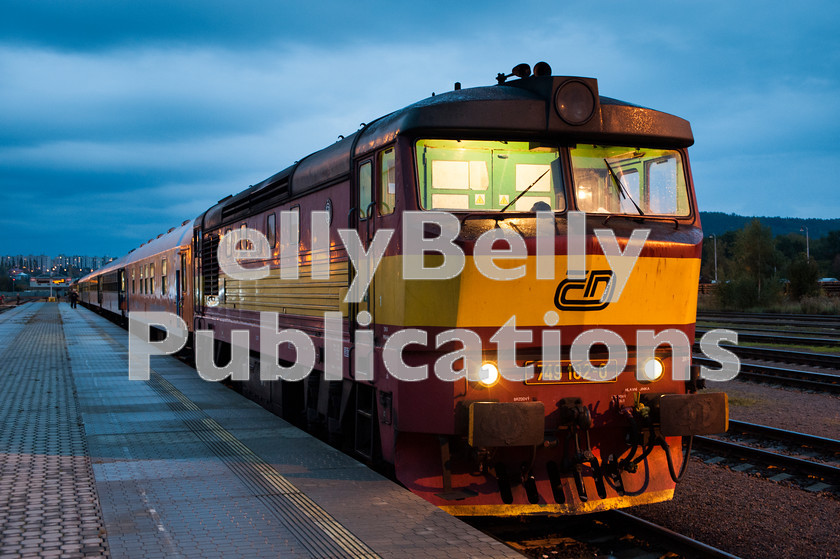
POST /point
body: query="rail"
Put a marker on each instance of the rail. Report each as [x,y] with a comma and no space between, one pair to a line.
[790,319]
[794,437]
[830,360]
[543,535]
[829,288]
[677,542]
[784,339]
[821,382]
[798,466]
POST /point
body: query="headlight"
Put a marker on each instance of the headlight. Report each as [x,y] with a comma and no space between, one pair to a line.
[652,370]
[488,374]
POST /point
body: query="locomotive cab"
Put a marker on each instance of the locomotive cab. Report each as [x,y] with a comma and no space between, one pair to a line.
[602,391]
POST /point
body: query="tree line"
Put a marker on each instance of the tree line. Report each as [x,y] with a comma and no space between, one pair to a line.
[757,269]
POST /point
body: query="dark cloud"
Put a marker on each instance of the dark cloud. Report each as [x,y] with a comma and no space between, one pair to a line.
[84,25]
[119,120]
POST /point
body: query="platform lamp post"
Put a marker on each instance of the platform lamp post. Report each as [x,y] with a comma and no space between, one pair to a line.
[807,243]
[715,239]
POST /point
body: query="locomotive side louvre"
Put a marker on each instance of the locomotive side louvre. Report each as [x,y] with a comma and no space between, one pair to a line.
[227,303]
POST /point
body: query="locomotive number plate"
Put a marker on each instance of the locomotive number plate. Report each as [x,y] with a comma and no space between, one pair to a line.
[562,372]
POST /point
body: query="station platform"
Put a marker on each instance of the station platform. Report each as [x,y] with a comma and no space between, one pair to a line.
[93,464]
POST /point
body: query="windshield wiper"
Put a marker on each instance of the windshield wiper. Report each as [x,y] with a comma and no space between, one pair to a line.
[621,189]
[512,202]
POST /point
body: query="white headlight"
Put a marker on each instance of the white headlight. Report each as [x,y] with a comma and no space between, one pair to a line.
[652,369]
[488,374]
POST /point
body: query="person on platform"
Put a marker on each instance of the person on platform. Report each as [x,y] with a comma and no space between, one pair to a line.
[73,298]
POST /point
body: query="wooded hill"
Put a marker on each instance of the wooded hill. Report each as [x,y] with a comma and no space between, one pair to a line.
[718,223]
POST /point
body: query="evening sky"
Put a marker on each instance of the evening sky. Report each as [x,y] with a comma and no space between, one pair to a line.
[118,120]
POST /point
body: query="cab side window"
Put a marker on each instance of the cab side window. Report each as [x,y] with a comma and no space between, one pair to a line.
[365,189]
[387,182]
[271,230]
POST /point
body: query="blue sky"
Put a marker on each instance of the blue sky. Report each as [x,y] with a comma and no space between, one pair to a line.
[119,120]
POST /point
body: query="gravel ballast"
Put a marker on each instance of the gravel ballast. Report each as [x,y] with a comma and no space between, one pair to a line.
[746,514]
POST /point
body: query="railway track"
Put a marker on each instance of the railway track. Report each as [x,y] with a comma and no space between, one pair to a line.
[790,356]
[764,319]
[780,338]
[613,533]
[829,334]
[676,542]
[818,382]
[786,453]
[793,437]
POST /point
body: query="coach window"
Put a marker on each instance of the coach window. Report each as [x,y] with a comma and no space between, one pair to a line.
[142,276]
[271,229]
[152,278]
[387,182]
[244,244]
[133,270]
[365,188]
[163,276]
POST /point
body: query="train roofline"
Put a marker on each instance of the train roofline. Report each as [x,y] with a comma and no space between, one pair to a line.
[478,110]
[174,237]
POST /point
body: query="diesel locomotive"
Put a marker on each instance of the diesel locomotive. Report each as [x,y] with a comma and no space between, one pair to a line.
[542,186]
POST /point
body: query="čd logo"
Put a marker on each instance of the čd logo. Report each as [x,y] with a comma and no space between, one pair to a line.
[592,293]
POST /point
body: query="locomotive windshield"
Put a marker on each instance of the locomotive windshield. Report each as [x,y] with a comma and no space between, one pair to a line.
[474,176]
[622,180]
[489,176]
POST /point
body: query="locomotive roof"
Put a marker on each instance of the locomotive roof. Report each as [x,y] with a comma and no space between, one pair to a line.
[523,107]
